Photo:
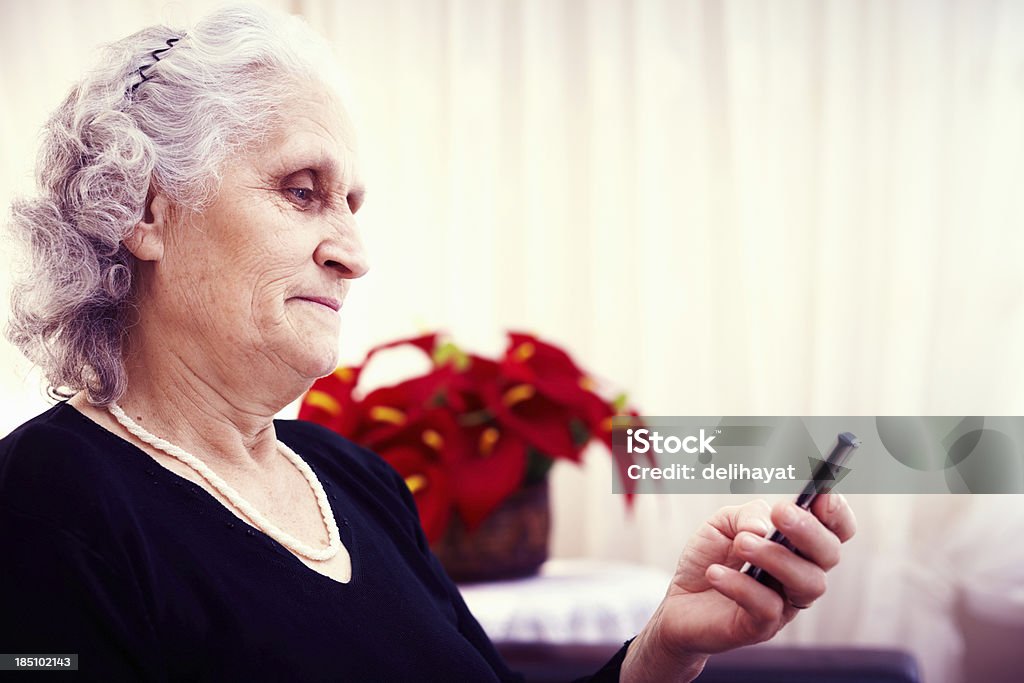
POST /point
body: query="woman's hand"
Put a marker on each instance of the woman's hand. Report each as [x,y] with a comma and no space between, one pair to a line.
[710,606]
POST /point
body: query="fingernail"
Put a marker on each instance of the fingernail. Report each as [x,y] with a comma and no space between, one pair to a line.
[833,503]
[790,516]
[716,572]
[759,527]
[748,541]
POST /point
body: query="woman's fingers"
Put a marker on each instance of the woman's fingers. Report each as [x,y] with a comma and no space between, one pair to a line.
[836,514]
[754,517]
[816,535]
[764,605]
[807,533]
[831,509]
[803,580]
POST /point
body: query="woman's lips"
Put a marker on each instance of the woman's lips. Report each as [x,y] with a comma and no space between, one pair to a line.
[327,301]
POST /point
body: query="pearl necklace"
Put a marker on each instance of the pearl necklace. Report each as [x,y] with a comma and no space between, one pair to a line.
[261,522]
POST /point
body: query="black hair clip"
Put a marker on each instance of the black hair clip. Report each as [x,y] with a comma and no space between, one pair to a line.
[156,58]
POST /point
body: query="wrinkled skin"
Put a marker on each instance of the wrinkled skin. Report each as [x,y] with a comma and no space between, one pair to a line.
[710,606]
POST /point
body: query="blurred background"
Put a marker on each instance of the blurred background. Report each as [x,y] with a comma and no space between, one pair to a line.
[785,207]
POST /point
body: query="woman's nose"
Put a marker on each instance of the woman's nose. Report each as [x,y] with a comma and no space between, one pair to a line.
[343,252]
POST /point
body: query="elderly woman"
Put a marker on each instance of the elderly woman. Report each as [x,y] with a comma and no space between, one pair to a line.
[192,244]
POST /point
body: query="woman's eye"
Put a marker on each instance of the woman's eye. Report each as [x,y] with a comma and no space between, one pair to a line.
[303,195]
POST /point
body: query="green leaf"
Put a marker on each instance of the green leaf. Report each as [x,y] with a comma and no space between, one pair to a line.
[537,467]
[579,432]
[449,352]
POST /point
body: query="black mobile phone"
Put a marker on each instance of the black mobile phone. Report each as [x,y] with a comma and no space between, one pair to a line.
[822,481]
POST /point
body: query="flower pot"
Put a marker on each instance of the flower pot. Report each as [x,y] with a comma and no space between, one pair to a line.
[511,543]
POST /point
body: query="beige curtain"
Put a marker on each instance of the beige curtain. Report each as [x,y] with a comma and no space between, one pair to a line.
[785,207]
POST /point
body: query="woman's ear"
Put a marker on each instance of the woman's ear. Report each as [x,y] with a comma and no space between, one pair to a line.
[146,240]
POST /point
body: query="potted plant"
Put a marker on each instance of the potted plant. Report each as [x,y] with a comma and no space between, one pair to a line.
[474,439]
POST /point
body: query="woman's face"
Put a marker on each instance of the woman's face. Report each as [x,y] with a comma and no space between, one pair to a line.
[260,276]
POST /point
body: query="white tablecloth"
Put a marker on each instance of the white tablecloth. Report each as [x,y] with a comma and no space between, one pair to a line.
[570,601]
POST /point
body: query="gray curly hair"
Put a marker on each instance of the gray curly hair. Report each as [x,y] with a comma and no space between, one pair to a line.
[113,140]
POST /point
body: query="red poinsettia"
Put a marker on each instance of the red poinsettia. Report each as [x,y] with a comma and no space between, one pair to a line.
[471,431]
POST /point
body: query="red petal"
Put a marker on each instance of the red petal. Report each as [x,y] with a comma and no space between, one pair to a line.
[433,498]
[425,343]
[481,484]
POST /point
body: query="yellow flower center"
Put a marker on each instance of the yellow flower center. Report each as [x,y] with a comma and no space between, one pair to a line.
[518,394]
[488,438]
[324,401]
[524,351]
[433,439]
[416,483]
[387,414]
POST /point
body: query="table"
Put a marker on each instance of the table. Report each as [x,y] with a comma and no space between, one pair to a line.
[571,602]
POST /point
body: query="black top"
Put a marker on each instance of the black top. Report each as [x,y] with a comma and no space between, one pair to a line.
[147,576]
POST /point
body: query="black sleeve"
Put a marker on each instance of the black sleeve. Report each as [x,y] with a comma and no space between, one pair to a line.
[468,624]
[59,596]
[611,670]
